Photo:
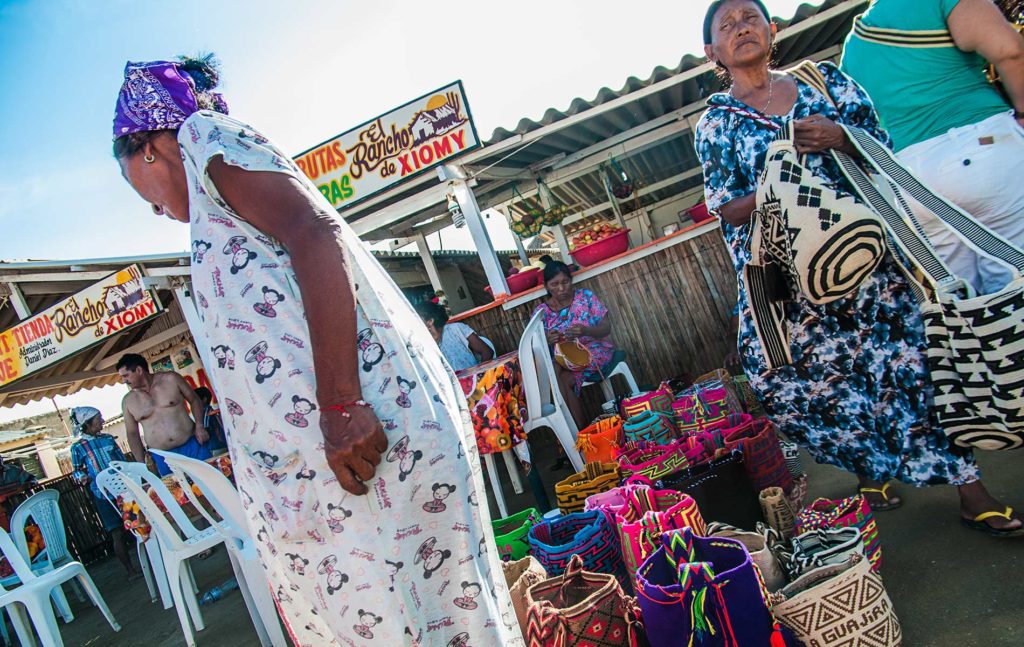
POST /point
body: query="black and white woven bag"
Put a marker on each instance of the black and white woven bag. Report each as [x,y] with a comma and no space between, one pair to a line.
[825,243]
[975,343]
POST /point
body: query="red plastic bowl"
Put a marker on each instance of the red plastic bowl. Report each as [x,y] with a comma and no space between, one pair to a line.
[699,213]
[523,280]
[602,249]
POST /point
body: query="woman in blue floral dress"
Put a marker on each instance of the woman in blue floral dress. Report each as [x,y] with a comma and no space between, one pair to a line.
[857,394]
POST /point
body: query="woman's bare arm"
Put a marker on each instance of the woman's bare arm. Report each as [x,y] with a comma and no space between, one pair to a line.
[279,206]
[979,26]
[737,211]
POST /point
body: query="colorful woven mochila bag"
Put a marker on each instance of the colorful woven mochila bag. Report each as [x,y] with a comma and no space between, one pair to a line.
[704,592]
[521,575]
[649,513]
[700,406]
[657,400]
[590,535]
[611,501]
[510,534]
[652,426]
[580,608]
[600,442]
[762,454]
[852,511]
[652,461]
[571,494]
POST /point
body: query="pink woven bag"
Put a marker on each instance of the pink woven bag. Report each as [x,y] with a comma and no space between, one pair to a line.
[658,400]
[646,515]
[651,461]
[852,511]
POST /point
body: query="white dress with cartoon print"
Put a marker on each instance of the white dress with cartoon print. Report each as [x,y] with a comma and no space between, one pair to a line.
[406,564]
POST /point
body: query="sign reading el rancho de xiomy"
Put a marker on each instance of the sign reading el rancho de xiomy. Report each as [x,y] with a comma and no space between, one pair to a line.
[98,312]
[394,147]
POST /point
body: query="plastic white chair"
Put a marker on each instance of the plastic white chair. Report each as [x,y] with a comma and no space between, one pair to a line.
[608,389]
[221,495]
[176,549]
[43,508]
[544,402]
[34,594]
[150,561]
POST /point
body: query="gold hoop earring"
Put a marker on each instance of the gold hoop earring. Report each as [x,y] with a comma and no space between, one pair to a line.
[149,159]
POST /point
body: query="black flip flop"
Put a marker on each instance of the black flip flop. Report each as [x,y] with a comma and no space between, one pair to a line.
[978,523]
[884,492]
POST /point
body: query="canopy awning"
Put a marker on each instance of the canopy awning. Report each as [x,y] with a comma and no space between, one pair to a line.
[30,287]
[646,125]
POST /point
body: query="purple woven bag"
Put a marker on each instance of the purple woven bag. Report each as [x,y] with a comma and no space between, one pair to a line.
[704,592]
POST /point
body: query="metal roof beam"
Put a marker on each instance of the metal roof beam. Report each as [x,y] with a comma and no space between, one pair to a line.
[52,381]
[588,164]
[17,300]
[143,345]
[115,260]
[657,186]
[89,275]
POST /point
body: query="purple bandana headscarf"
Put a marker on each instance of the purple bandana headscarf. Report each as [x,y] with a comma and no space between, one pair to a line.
[155,96]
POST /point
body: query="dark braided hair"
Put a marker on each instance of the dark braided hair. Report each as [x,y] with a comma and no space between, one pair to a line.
[204,70]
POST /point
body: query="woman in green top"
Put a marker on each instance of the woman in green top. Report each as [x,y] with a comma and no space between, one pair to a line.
[922,62]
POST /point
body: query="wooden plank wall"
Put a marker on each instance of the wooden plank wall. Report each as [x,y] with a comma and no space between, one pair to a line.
[671,310]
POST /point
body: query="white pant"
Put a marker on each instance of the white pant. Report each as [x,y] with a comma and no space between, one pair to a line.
[984,179]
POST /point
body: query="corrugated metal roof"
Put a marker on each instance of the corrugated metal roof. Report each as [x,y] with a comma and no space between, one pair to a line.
[832,32]
[812,32]
[7,437]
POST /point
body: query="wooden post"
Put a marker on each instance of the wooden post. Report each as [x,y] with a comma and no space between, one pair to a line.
[457,182]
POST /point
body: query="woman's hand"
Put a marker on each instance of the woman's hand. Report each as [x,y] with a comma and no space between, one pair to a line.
[553,336]
[574,332]
[353,445]
[816,134]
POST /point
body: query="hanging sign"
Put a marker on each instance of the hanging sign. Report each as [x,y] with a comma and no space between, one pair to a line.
[411,139]
[85,319]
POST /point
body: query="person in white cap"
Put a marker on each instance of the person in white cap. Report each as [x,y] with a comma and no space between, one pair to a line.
[90,455]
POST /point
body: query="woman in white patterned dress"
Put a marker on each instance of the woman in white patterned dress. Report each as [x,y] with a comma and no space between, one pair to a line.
[346,428]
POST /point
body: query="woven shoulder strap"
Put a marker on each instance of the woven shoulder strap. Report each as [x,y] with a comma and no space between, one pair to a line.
[808,72]
[910,237]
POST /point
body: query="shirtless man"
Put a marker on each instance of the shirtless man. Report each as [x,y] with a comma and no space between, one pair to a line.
[157,401]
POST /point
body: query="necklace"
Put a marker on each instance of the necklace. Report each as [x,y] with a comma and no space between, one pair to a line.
[771,87]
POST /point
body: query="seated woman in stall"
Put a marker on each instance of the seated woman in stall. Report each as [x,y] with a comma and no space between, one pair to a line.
[576,314]
[459,343]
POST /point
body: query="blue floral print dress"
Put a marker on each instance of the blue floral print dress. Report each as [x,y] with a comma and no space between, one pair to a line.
[857,394]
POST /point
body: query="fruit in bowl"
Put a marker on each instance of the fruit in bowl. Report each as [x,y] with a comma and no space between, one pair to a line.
[593,234]
[610,245]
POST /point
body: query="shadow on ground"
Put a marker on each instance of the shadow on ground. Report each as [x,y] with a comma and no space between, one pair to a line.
[950,586]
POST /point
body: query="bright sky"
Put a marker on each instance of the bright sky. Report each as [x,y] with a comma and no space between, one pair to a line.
[301,72]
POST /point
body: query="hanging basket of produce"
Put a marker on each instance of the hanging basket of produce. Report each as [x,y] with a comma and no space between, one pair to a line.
[557,211]
[622,186]
[528,224]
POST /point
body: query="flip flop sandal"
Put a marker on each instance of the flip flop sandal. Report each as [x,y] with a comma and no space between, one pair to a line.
[978,523]
[884,492]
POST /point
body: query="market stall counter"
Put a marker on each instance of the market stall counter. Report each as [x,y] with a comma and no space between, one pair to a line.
[671,301]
